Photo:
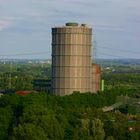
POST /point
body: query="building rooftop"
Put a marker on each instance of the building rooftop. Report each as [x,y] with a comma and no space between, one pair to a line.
[73,25]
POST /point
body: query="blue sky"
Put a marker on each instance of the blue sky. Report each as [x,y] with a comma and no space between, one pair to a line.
[25,26]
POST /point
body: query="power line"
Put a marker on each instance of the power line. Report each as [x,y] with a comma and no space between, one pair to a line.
[111,55]
[37,53]
[20,54]
[107,54]
[102,53]
[120,50]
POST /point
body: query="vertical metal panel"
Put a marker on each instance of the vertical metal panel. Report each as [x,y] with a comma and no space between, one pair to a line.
[96,76]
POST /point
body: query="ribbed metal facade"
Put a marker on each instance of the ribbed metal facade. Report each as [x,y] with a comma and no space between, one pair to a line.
[95,78]
[71,59]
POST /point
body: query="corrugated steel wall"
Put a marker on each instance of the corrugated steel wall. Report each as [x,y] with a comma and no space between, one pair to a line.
[71,59]
[96,78]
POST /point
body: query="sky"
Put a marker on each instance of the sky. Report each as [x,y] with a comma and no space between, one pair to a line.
[25,26]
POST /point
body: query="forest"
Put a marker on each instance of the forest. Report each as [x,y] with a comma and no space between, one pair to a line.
[40,116]
[16,76]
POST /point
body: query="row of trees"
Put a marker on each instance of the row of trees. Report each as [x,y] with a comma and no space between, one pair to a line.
[20,76]
[40,116]
[116,80]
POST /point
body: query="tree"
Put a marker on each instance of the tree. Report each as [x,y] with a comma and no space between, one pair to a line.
[94,128]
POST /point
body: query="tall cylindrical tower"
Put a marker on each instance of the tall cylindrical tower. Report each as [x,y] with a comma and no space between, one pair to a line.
[71,59]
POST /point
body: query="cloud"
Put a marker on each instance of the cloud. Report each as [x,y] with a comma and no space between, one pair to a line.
[6,22]
[27,23]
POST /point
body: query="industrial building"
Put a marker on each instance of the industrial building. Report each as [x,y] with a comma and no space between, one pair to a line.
[42,85]
[72,67]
